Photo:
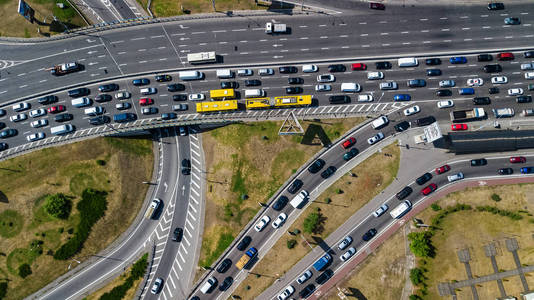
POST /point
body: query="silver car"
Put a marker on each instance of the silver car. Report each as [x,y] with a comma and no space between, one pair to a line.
[39,123]
[447,83]
[455,177]
[156,287]
[381,210]
[35,136]
[391,85]
[305,276]
[323,87]
[345,242]
[350,252]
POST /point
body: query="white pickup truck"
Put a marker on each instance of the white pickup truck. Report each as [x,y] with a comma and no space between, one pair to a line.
[275,28]
[153,208]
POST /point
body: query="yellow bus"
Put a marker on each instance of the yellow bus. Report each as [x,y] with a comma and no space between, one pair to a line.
[292,101]
[258,103]
[222,94]
[216,106]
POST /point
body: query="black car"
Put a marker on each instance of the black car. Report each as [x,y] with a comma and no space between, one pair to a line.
[416,83]
[79,92]
[47,99]
[177,234]
[327,274]
[252,82]
[307,291]
[493,90]
[179,97]
[505,171]
[443,93]
[493,68]
[100,120]
[227,282]
[294,90]
[224,266]
[103,98]
[402,126]
[168,116]
[383,65]
[423,178]
[8,133]
[425,121]
[162,78]
[108,87]
[244,243]
[339,99]
[328,172]
[280,203]
[433,61]
[405,192]
[478,162]
[175,87]
[3,112]
[63,117]
[523,99]
[316,166]
[186,166]
[481,100]
[495,6]
[295,186]
[2,125]
[288,70]
[369,234]
[229,85]
[529,54]
[295,80]
[140,81]
[433,72]
[3,146]
[336,68]
[485,57]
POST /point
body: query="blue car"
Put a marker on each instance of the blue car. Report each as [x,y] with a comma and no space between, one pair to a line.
[527,170]
[458,60]
[467,91]
[402,97]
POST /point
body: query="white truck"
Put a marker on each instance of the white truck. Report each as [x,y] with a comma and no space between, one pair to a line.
[152,208]
[271,28]
[503,112]
[401,209]
[299,199]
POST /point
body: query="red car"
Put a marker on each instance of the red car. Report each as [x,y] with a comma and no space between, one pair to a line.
[359,67]
[456,127]
[518,159]
[505,56]
[429,189]
[348,143]
[146,101]
[374,5]
[442,169]
[56,109]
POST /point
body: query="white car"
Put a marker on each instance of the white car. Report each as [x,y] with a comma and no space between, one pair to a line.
[196,97]
[365,98]
[445,103]
[326,78]
[350,252]
[392,85]
[323,87]
[158,283]
[265,72]
[148,91]
[475,82]
[288,291]
[37,112]
[305,276]
[515,92]
[381,210]
[245,72]
[455,177]
[21,106]
[529,75]
[377,137]
[529,66]
[18,118]
[310,68]
[412,110]
[447,83]
[499,80]
[375,75]
[123,105]
[262,223]
[39,123]
[279,221]
[35,136]
[123,95]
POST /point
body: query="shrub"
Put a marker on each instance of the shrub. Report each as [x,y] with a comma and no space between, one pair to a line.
[3,289]
[100,162]
[495,197]
[58,206]
[339,191]
[291,244]
[421,244]
[139,268]
[25,270]
[416,276]
[327,200]
[311,222]
[415,297]
[435,207]
[137,271]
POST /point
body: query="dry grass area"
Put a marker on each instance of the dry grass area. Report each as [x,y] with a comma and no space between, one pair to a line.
[374,175]
[473,230]
[169,8]
[68,169]
[116,282]
[239,160]
[15,25]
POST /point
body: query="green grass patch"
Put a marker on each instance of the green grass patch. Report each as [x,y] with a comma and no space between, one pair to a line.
[11,223]
[52,238]
[18,257]
[79,182]
[238,181]
[140,147]
[137,271]
[225,239]
[237,135]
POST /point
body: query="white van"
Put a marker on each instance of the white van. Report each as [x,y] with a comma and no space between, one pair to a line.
[190,75]
[208,285]
[309,68]
[408,62]
[365,98]
[380,122]
[21,106]
[94,111]
[225,73]
[61,129]
[81,102]
[297,201]
[350,87]
[254,93]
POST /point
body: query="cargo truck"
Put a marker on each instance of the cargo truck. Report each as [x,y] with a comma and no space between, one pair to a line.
[275,28]
[503,112]
[467,115]
[66,68]
[246,258]
[322,262]
[152,208]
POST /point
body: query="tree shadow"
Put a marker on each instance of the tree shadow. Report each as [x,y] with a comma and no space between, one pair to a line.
[3,198]
[356,293]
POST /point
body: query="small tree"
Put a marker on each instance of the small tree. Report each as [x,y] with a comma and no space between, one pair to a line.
[25,270]
[435,207]
[495,197]
[415,297]
[58,206]
[416,276]
[311,223]
[3,289]
[421,244]
[291,244]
